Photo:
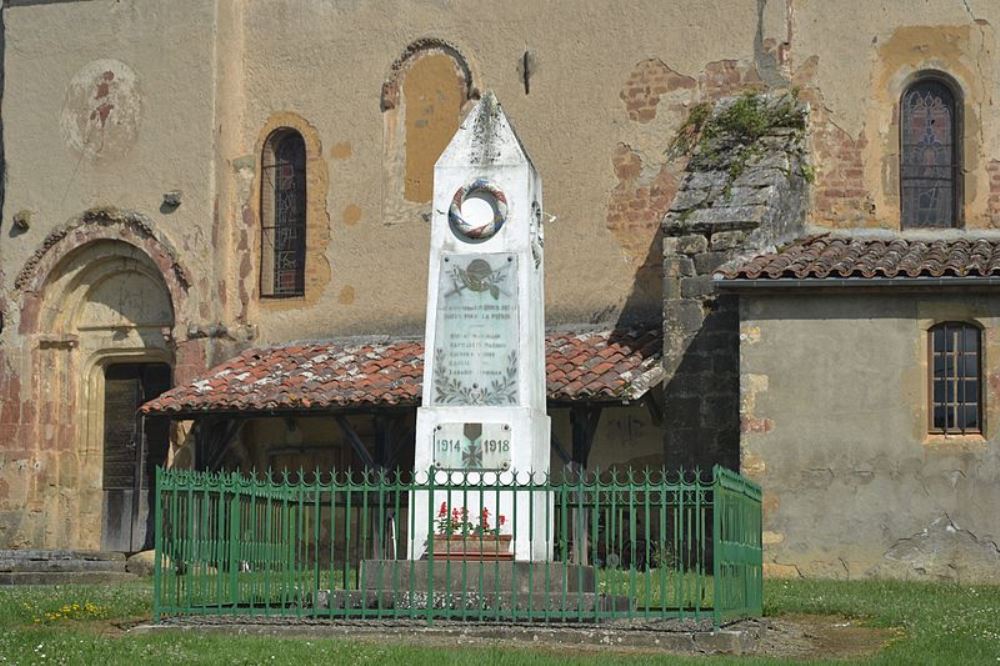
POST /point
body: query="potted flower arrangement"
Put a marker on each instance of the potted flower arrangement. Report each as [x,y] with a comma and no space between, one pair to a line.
[457,537]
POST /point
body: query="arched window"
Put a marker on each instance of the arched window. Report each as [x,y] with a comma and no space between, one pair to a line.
[956,374]
[283,215]
[930,160]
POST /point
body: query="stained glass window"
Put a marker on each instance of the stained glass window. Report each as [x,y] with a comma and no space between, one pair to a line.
[956,387]
[283,214]
[929,167]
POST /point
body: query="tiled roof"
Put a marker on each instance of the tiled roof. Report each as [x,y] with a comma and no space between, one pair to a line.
[828,256]
[600,366]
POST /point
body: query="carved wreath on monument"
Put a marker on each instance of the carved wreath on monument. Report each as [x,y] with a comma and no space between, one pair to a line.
[486,190]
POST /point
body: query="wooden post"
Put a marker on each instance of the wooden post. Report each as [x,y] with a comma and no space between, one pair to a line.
[584,419]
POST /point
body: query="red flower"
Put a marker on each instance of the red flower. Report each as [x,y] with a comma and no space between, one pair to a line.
[443,511]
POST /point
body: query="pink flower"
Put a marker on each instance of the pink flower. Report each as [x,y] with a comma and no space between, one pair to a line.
[443,511]
[501,520]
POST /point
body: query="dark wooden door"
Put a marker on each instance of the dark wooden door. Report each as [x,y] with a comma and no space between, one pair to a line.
[133,447]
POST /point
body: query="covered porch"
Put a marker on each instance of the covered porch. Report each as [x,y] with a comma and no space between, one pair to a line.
[351,404]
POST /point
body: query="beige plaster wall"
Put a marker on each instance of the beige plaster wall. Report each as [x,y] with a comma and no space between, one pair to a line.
[835,428]
[109,104]
[327,62]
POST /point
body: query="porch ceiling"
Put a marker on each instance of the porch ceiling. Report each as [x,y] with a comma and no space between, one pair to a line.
[617,365]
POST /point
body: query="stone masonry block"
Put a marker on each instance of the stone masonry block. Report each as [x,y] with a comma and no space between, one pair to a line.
[672,288]
[694,363]
[750,196]
[706,180]
[684,412]
[689,198]
[706,262]
[692,244]
[720,218]
[677,266]
[684,315]
[762,177]
[697,287]
[727,240]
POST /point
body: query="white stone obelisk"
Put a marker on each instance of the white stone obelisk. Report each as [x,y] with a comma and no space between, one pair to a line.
[484,377]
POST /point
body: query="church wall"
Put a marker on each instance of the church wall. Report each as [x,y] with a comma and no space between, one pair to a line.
[835,427]
[602,100]
[108,106]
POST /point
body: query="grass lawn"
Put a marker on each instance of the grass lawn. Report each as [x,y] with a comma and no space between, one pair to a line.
[947,624]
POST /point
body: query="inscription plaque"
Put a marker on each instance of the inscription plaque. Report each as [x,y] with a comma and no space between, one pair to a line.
[475,354]
[472,446]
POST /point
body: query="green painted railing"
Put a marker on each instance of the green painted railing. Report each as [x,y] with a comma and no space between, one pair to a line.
[638,545]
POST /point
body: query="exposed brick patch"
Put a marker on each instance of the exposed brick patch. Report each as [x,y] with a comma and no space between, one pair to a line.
[993,201]
[840,196]
[724,77]
[191,360]
[840,192]
[753,424]
[639,200]
[650,80]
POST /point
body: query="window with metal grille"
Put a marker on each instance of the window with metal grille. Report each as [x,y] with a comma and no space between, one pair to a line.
[929,156]
[283,215]
[956,372]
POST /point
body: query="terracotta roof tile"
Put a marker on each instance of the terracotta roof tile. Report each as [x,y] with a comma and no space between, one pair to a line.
[827,256]
[608,365]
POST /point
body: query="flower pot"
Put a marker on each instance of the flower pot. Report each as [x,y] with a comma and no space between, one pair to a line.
[472,547]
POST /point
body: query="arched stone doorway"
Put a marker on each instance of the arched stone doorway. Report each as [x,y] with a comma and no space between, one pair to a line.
[105,346]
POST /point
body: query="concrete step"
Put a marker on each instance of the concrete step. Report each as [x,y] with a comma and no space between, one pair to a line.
[65,577]
[44,566]
[61,554]
[584,602]
[520,577]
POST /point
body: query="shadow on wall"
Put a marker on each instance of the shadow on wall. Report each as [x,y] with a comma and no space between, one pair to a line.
[702,415]
[644,304]
[3,161]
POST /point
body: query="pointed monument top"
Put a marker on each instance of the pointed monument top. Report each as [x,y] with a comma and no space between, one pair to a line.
[485,138]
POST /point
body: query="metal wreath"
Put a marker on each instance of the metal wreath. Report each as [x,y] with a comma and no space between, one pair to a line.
[484,231]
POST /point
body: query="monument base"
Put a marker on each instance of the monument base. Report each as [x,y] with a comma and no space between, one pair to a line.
[474,586]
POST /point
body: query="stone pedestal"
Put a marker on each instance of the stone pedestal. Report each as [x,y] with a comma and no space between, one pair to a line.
[475,587]
[483,416]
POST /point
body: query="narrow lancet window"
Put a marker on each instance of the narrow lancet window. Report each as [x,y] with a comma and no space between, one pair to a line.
[283,215]
[930,164]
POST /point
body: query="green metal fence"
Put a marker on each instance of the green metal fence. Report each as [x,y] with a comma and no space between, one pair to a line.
[640,545]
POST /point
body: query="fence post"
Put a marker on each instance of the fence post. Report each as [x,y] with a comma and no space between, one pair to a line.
[718,585]
[235,538]
[157,542]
